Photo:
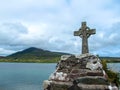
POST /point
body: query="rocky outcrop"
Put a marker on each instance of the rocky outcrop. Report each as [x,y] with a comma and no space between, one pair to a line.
[85,69]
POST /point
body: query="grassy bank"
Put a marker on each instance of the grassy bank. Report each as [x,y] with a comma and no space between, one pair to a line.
[111,59]
[49,59]
[52,60]
[113,77]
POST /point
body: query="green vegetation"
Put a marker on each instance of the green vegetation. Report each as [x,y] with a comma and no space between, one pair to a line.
[51,60]
[111,59]
[36,55]
[33,55]
[112,76]
[42,59]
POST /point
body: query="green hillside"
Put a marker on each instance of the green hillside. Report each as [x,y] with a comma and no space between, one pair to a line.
[42,56]
[33,55]
[111,59]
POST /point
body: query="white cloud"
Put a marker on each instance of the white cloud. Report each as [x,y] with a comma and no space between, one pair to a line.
[4,52]
[49,24]
[10,32]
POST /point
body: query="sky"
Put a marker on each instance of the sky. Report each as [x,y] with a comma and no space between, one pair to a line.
[49,25]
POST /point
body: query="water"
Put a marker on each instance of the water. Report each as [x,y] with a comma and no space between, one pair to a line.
[29,76]
[24,76]
[114,66]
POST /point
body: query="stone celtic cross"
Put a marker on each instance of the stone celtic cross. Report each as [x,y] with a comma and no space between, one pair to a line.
[84,32]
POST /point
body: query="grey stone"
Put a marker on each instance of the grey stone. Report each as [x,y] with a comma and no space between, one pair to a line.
[84,32]
[64,57]
[75,68]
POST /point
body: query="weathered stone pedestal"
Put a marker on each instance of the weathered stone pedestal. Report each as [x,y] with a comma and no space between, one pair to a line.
[85,70]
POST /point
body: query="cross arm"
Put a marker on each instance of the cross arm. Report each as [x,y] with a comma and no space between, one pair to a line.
[77,33]
[91,31]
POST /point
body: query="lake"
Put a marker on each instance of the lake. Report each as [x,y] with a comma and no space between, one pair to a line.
[24,76]
[29,76]
[114,66]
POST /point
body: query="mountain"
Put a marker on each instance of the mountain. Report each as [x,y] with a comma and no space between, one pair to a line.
[1,57]
[35,53]
[39,55]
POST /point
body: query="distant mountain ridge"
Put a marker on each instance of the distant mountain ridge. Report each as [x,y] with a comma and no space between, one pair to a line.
[35,53]
[1,57]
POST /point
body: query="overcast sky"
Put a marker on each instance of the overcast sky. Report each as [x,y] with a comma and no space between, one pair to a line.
[49,24]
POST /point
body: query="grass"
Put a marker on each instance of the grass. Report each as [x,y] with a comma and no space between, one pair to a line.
[52,60]
[113,77]
[111,59]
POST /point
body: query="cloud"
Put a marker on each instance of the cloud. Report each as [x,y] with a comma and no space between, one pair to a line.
[4,52]
[50,24]
[10,32]
[107,43]
[9,36]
